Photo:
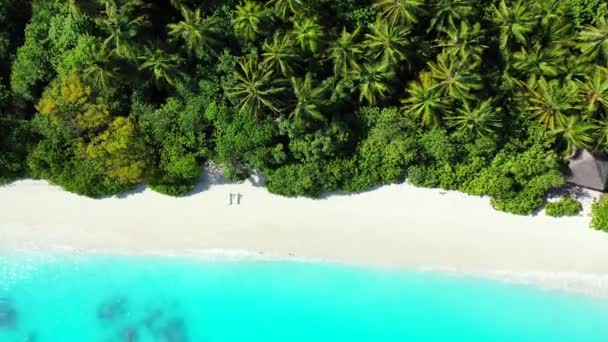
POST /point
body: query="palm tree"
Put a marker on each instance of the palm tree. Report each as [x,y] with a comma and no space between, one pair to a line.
[463,40]
[248,18]
[164,67]
[447,13]
[100,72]
[387,44]
[79,8]
[399,11]
[285,8]
[601,134]
[456,77]
[540,60]
[344,53]
[308,99]
[308,33]
[373,82]
[199,34]
[576,132]
[482,120]
[576,67]
[593,92]
[551,102]
[279,54]
[508,82]
[178,4]
[515,22]
[425,102]
[257,88]
[553,9]
[593,40]
[119,25]
[555,23]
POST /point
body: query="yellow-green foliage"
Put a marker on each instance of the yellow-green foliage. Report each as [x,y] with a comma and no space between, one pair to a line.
[72,90]
[94,116]
[121,150]
[78,127]
[70,103]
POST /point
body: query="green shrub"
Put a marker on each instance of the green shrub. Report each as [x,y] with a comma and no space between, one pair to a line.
[438,146]
[423,176]
[519,203]
[384,160]
[15,137]
[584,12]
[566,206]
[489,182]
[177,130]
[173,189]
[295,180]
[599,214]
[243,143]
[178,173]
[387,150]
[32,68]
[340,174]
[531,197]
[55,161]
[321,145]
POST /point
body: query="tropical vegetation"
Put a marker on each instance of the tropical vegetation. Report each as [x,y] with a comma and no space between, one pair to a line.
[483,96]
[599,213]
[566,206]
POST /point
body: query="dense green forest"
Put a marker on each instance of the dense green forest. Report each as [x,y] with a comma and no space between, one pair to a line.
[483,96]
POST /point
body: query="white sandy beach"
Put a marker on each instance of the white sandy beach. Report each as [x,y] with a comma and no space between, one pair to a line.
[397,226]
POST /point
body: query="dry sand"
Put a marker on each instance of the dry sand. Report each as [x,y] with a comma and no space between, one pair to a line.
[397,226]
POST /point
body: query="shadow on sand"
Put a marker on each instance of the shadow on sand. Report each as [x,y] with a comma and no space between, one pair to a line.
[137,190]
[340,193]
[566,190]
[210,176]
[208,179]
[569,190]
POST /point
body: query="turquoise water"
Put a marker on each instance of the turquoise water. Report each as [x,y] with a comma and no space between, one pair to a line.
[154,299]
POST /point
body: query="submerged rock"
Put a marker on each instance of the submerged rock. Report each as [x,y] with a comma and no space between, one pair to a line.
[8,314]
[112,309]
[129,334]
[152,319]
[174,331]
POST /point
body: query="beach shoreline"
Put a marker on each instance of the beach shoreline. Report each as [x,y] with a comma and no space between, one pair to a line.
[396,227]
[588,284]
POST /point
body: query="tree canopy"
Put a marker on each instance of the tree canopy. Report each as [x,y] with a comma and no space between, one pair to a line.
[483,96]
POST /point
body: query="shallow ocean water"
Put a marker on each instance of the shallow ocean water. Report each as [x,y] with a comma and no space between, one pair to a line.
[104,298]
